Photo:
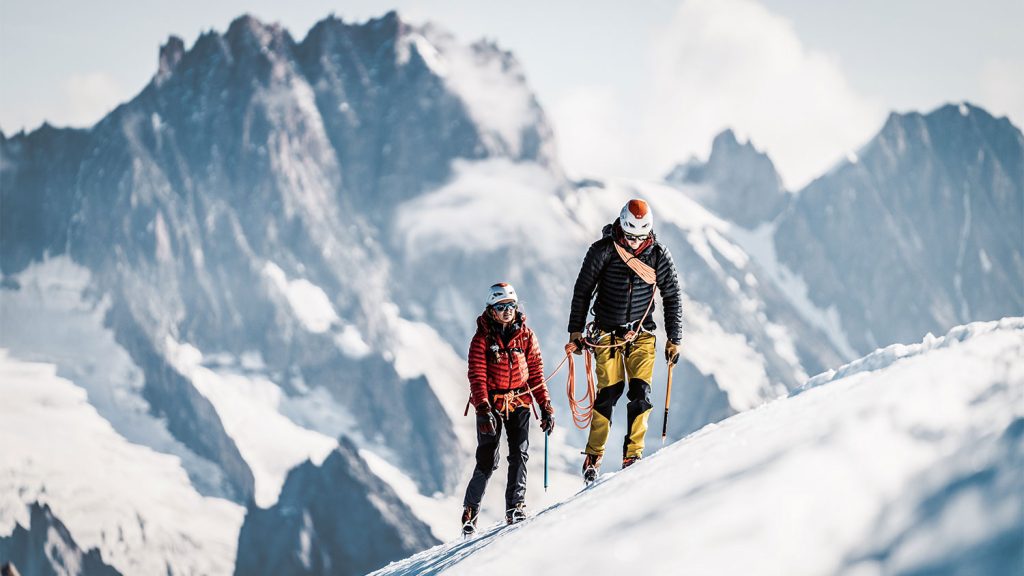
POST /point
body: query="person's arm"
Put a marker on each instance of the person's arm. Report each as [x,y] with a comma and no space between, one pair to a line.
[586,281]
[671,296]
[539,388]
[478,369]
[536,365]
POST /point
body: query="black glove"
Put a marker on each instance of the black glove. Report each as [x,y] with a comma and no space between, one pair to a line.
[577,339]
[485,423]
[671,352]
[547,417]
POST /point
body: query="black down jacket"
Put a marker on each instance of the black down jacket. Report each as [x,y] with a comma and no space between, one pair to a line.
[622,297]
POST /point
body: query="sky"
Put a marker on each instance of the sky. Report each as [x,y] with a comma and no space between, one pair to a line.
[630,88]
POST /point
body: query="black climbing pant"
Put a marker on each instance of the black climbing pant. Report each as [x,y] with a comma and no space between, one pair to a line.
[516,428]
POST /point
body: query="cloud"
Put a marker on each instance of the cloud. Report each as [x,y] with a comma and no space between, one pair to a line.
[591,132]
[1002,89]
[732,63]
[90,97]
[488,205]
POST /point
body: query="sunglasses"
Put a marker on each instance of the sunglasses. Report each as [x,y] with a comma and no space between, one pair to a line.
[634,237]
[503,306]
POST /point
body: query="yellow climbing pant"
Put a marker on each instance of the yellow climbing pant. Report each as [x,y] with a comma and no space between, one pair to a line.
[631,365]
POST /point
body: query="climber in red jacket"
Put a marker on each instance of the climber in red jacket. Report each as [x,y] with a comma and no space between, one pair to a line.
[506,375]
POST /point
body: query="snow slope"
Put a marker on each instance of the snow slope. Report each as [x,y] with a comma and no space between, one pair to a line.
[136,505]
[58,292]
[907,461]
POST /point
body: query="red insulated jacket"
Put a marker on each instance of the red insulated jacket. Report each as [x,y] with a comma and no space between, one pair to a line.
[497,366]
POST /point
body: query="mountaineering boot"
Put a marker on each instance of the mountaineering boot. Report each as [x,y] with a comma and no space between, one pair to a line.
[469,516]
[516,514]
[629,461]
[591,465]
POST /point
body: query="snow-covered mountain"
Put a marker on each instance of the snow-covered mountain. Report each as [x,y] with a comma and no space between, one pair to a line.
[209,261]
[278,243]
[132,503]
[920,230]
[47,538]
[907,461]
[321,515]
[738,182]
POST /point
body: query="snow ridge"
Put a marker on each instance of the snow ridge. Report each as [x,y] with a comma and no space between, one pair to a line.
[884,357]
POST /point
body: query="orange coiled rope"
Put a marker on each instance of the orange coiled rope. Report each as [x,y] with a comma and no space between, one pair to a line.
[582,408]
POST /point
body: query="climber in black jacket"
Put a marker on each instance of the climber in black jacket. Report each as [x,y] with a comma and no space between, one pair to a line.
[621,270]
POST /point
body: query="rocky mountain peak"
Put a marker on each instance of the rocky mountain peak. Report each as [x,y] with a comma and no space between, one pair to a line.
[938,196]
[337,517]
[247,28]
[170,55]
[46,546]
[738,181]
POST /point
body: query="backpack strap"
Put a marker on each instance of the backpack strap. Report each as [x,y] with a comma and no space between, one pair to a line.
[644,271]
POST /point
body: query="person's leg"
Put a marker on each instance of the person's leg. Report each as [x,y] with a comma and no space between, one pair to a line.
[610,385]
[640,364]
[486,464]
[517,429]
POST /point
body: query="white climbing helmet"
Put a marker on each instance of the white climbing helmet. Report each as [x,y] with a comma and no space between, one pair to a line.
[501,291]
[636,218]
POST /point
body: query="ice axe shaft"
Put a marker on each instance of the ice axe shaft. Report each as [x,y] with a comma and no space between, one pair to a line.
[546,461]
[668,399]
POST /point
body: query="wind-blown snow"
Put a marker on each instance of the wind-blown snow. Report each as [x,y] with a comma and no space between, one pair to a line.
[431,57]
[495,93]
[488,205]
[135,505]
[826,482]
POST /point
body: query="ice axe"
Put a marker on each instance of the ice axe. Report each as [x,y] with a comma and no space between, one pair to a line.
[668,398]
[546,434]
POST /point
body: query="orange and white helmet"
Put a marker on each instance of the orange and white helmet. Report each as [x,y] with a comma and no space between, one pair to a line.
[636,218]
[501,291]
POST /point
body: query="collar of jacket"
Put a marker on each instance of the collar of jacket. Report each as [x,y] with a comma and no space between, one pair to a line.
[614,231]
